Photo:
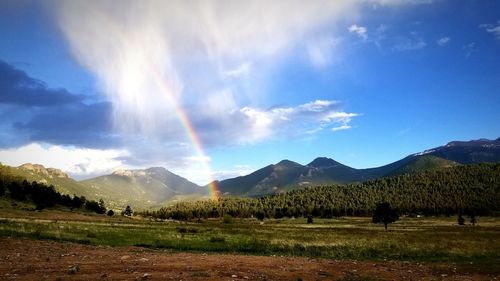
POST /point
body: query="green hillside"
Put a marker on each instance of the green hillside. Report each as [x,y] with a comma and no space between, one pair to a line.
[463,188]
[143,188]
[139,188]
[423,163]
[287,175]
[61,181]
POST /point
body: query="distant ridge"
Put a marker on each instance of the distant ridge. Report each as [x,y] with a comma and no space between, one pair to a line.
[148,187]
[286,175]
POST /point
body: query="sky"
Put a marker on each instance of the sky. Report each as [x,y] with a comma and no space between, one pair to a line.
[217,89]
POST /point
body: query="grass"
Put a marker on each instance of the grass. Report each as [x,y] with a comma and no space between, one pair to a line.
[417,239]
[423,239]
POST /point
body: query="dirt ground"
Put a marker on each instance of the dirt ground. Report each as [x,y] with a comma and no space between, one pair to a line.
[25,259]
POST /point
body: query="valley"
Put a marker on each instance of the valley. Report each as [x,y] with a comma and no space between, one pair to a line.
[446,227]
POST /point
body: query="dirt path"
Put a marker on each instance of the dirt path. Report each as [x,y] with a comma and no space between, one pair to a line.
[25,259]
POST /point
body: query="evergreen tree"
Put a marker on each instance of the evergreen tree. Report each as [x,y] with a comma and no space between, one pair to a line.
[128,211]
[385,214]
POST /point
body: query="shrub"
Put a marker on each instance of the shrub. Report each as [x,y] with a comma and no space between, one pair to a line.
[309,219]
[95,206]
[128,211]
[227,219]
[217,239]
[260,215]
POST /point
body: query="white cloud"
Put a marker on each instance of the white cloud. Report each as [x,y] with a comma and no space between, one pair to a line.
[339,128]
[443,41]
[361,31]
[147,54]
[492,28]
[78,162]
[173,67]
[292,121]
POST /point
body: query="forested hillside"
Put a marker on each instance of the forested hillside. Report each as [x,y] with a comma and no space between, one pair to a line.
[17,188]
[469,188]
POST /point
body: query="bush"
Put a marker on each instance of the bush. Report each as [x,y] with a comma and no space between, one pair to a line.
[111,213]
[78,202]
[260,215]
[217,239]
[309,219]
[128,211]
[2,188]
[227,219]
[95,206]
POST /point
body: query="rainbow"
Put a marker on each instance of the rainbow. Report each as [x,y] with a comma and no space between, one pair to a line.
[192,135]
[184,121]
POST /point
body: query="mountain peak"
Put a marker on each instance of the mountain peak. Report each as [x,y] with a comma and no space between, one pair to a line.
[287,163]
[40,169]
[477,142]
[157,170]
[323,162]
[128,173]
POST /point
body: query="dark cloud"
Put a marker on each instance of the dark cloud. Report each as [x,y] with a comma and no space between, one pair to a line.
[74,124]
[17,88]
[33,112]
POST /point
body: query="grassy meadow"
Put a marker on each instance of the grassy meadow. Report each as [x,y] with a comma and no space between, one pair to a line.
[416,239]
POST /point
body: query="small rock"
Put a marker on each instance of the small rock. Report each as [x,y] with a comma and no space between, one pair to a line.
[143,259]
[125,258]
[234,276]
[73,269]
[104,275]
[143,277]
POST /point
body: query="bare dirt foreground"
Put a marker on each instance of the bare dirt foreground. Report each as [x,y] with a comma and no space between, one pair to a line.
[25,259]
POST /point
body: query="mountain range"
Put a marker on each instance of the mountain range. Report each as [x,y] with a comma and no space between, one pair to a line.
[157,186]
[287,174]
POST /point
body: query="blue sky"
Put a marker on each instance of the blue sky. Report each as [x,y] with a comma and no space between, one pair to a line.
[91,87]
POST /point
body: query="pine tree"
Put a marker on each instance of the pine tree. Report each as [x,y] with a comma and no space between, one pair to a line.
[385,214]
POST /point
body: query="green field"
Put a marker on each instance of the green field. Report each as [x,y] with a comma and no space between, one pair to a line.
[416,239]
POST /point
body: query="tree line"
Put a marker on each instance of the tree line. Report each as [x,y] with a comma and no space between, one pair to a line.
[42,195]
[449,191]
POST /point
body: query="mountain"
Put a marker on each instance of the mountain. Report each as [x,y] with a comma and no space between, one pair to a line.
[468,152]
[157,186]
[270,179]
[138,188]
[141,188]
[439,192]
[287,175]
[50,176]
